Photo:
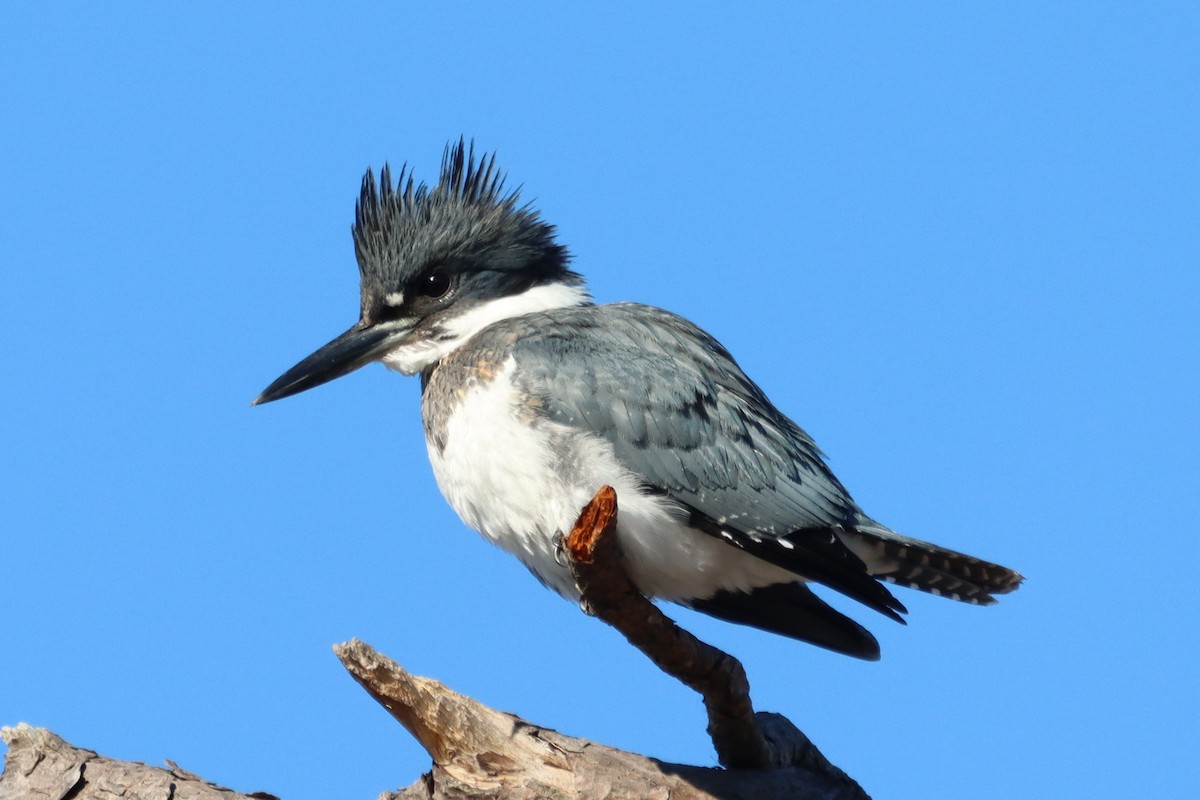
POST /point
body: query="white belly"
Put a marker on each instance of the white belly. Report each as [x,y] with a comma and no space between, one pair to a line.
[521,485]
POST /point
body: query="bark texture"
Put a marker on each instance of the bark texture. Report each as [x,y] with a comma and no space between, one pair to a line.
[483,754]
[739,739]
[480,753]
[41,766]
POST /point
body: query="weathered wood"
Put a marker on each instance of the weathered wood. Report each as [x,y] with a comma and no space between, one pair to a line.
[39,765]
[741,738]
[481,753]
[484,754]
[596,561]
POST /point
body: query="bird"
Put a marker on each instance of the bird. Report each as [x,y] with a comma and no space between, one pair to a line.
[533,397]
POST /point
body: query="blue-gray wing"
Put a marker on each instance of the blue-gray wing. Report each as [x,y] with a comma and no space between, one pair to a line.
[682,415]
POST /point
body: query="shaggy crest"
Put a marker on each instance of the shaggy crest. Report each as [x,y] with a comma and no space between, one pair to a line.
[402,228]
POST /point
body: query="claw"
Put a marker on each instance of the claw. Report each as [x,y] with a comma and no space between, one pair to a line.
[560,550]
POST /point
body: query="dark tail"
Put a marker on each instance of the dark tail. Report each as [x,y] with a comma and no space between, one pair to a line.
[928,567]
[791,609]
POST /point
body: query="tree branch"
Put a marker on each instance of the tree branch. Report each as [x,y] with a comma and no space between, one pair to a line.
[485,754]
[719,678]
[40,764]
[482,753]
[742,739]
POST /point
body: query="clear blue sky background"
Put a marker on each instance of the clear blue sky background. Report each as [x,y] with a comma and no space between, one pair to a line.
[959,244]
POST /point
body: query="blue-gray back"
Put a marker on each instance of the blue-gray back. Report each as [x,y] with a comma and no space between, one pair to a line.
[678,411]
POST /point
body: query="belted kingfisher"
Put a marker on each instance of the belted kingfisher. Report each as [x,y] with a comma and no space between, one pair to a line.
[533,397]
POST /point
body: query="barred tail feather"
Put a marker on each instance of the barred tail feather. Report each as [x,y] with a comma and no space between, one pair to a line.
[921,565]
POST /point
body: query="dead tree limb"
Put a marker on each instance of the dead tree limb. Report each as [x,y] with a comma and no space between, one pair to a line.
[742,739]
[719,678]
[482,753]
[40,764]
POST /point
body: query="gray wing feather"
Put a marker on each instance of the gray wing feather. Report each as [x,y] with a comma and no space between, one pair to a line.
[680,413]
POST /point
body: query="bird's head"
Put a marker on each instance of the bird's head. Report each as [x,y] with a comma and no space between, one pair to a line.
[437,265]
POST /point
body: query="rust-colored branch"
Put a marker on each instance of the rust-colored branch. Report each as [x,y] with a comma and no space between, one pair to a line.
[719,678]
[743,740]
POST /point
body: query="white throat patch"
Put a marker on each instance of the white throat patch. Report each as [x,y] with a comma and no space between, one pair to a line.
[412,358]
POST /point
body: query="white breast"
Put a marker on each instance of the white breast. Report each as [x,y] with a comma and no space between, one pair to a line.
[520,484]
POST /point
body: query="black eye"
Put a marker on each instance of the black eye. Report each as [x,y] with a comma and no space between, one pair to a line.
[434,284]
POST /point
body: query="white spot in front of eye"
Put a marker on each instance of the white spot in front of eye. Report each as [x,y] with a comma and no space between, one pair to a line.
[394,299]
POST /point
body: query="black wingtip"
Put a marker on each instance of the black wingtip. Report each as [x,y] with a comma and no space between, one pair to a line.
[813,553]
[792,610]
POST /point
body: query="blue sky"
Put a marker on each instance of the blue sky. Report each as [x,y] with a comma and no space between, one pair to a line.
[957,243]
